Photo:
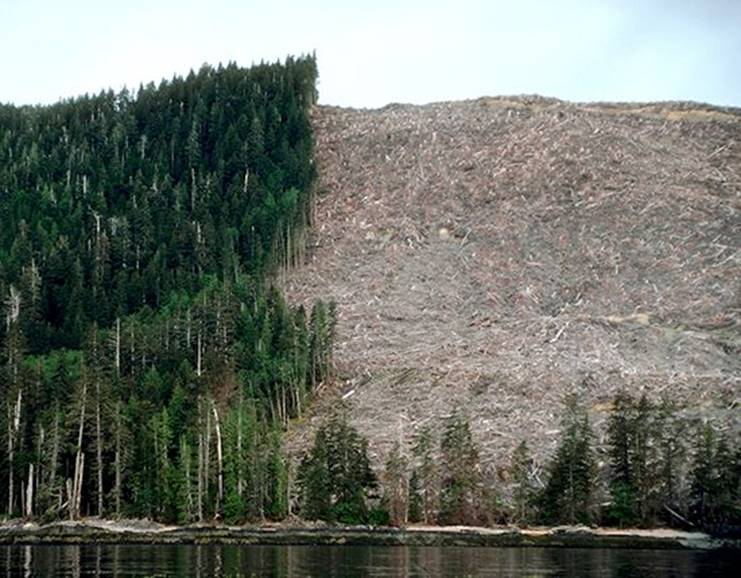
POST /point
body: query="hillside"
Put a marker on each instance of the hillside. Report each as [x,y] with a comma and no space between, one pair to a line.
[147,364]
[501,252]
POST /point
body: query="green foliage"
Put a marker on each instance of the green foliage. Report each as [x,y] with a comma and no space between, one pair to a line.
[645,450]
[568,495]
[314,483]
[396,490]
[111,202]
[715,492]
[379,516]
[138,237]
[415,500]
[426,467]
[524,491]
[461,490]
[335,476]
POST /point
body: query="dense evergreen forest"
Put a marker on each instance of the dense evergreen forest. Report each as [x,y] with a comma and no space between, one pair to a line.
[148,364]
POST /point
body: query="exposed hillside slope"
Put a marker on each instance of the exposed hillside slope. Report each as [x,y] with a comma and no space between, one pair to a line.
[498,253]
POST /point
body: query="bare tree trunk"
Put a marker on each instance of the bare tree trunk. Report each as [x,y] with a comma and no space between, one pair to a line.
[10,462]
[118,347]
[185,454]
[207,453]
[29,492]
[55,457]
[79,460]
[117,461]
[219,460]
[99,447]
[14,424]
[201,468]
[289,486]
[131,346]
[78,493]
[284,405]
[297,398]
[199,368]
[239,444]
[38,477]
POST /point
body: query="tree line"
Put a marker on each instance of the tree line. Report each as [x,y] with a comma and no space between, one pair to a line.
[653,474]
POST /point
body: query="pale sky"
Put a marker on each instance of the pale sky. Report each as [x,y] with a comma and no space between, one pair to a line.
[379,51]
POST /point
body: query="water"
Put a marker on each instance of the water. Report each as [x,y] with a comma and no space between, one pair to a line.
[351,561]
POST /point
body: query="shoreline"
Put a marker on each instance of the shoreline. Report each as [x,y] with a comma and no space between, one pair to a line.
[97,531]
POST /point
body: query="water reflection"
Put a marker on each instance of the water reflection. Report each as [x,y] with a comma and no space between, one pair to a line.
[351,561]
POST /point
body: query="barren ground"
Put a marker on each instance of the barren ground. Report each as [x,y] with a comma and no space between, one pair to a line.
[499,253]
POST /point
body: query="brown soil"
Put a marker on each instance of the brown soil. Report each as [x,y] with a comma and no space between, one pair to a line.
[499,253]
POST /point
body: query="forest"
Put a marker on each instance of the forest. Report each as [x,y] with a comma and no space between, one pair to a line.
[150,365]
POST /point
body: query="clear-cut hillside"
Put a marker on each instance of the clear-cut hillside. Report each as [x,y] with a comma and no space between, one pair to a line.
[499,253]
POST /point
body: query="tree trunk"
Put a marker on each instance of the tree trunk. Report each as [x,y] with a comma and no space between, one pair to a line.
[185,455]
[131,347]
[118,347]
[219,460]
[201,469]
[188,329]
[29,492]
[117,461]
[207,454]
[239,444]
[10,462]
[74,507]
[14,424]
[99,448]
[55,457]
[199,369]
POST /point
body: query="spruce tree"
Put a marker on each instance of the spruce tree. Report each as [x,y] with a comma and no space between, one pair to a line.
[702,475]
[415,499]
[461,486]
[428,474]
[523,490]
[670,433]
[335,476]
[620,434]
[396,487]
[568,495]
[313,480]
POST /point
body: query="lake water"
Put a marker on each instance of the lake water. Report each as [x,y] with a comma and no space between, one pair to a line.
[350,561]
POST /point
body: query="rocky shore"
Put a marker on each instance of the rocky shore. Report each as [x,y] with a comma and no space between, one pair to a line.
[145,532]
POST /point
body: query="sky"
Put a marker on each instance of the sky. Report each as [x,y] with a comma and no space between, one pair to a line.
[375,52]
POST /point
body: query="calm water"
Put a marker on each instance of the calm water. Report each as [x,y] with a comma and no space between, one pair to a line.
[349,561]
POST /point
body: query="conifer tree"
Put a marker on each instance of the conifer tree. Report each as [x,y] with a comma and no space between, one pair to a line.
[672,453]
[396,487]
[461,487]
[524,493]
[336,475]
[415,500]
[620,435]
[702,485]
[313,479]
[568,494]
[428,474]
